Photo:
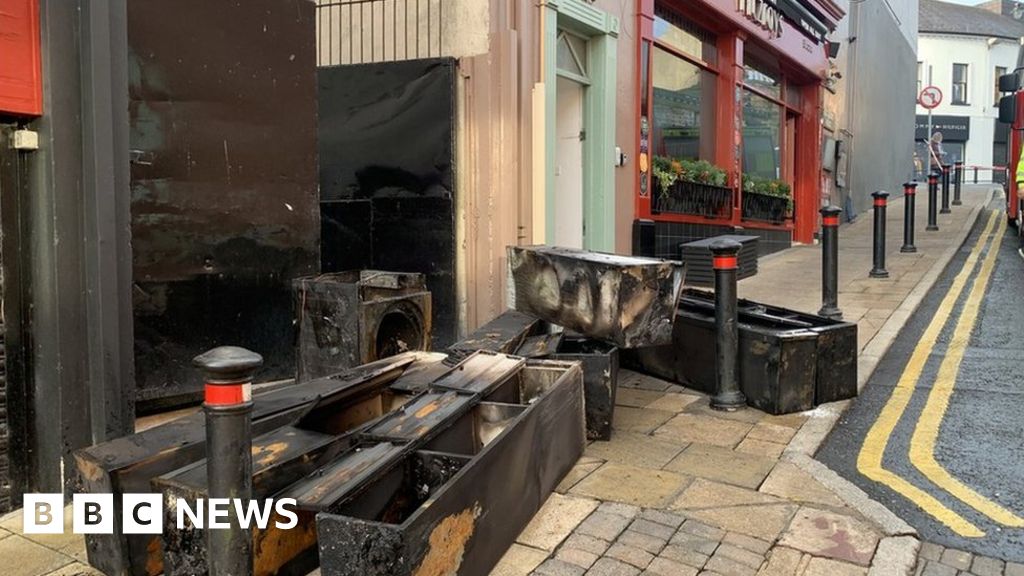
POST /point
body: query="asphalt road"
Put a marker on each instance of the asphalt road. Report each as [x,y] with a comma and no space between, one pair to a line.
[937,435]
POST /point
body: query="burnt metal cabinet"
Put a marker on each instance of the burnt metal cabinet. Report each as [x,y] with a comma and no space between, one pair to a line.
[600,362]
[457,502]
[350,318]
[789,361]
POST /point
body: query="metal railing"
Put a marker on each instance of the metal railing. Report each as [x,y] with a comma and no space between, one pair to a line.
[367,31]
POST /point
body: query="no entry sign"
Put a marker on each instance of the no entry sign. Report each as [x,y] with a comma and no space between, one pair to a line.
[930,97]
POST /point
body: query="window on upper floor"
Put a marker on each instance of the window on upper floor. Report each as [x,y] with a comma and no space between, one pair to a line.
[996,94]
[960,73]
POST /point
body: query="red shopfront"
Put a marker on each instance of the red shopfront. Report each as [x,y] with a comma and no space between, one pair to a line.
[729,102]
[21,92]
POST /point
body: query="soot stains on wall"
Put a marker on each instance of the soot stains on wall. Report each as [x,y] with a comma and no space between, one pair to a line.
[224,193]
[386,137]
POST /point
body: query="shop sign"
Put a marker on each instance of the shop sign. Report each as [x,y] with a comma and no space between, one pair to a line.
[953,128]
[763,14]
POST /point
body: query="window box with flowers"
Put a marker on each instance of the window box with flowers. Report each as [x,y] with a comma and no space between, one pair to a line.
[695,187]
[766,199]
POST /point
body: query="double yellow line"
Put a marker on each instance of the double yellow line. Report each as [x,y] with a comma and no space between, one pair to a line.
[926,431]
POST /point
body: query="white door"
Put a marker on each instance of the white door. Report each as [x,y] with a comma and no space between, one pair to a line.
[569,164]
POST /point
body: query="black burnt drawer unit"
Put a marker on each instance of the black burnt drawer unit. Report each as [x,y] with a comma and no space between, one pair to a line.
[789,361]
[454,503]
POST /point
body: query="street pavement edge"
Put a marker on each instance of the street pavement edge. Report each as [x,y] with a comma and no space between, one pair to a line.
[897,551]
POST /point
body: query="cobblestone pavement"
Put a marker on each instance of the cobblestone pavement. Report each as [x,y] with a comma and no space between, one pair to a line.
[934,560]
[683,490]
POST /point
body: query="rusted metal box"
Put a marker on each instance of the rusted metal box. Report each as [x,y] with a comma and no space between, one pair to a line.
[625,300]
[457,502]
[350,318]
[600,363]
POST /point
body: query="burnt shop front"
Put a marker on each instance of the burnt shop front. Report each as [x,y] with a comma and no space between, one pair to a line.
[729,105]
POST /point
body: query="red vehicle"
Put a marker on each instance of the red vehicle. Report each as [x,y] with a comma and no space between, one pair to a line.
[1011,111]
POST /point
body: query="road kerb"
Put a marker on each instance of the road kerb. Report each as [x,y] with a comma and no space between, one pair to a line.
[812,434]
[895,555]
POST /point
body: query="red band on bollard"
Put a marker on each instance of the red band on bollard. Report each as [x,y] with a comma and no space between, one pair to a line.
[879,201]
[228,395]
[830,221]
[724,262]
[910,191]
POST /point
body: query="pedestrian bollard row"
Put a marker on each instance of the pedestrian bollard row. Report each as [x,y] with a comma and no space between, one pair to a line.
[728,395]
[878,269]
[958,179]
[945,190]
[933,189]
[830,263]
[909,199]
[227,404]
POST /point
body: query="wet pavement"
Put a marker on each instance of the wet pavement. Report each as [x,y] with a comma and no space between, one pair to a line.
[937,435]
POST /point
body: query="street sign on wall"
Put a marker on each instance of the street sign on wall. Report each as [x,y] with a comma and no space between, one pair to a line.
[21,88]
[930,97]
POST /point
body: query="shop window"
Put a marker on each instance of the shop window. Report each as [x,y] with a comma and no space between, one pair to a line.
[684,107]
[996,94]
[762,78]
[762,122]
[959,84]
[674,31]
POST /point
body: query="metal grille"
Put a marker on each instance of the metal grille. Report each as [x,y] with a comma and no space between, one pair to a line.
[365,31]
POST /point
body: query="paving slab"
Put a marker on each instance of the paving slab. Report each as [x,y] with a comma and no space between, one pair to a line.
[32,558]
[556,520]
[722,464]
[827,534]
[634,449]
[703,429]
[631,485]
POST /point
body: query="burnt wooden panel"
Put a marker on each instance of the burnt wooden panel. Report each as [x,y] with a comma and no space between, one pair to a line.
[420,416]
[625,300]
[504,333]
[279,458]
[225,207]
[480,372]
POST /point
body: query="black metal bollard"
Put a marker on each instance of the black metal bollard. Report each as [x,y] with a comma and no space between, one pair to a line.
[830,263]
[909,199]
[975,174]
[945,190]
[228,372]
[958,179]
[933,189]
[728,395]
[878,270]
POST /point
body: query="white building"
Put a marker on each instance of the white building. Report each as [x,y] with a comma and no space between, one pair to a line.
[963,50]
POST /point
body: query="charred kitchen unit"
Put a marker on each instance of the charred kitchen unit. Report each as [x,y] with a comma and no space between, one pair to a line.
[346,319]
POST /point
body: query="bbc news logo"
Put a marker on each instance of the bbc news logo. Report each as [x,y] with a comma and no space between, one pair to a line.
[144,513]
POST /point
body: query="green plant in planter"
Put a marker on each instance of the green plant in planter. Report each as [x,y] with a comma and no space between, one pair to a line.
[668,171]
[666,174]
[702,172]
[768,187]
